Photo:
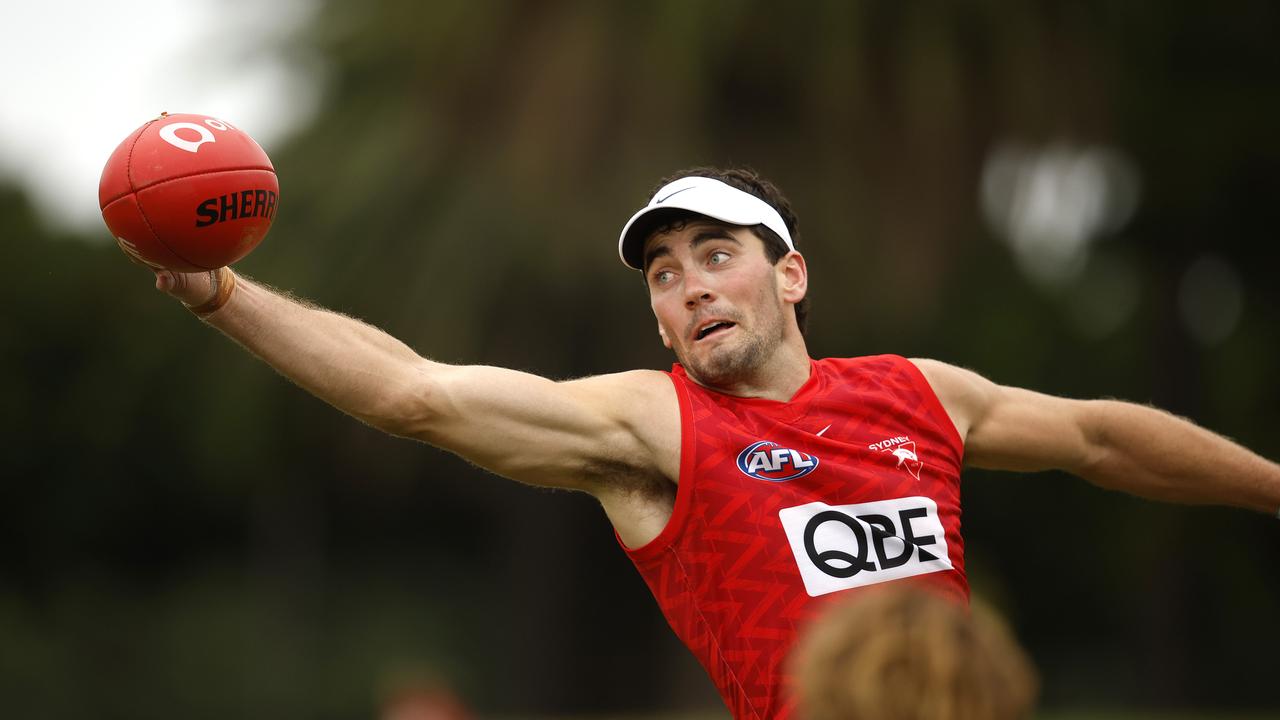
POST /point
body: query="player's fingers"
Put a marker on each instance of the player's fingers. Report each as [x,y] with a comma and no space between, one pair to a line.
[165,281]
[131,252]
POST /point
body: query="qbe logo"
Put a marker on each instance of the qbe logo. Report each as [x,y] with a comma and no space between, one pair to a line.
[838,547]
[770,461]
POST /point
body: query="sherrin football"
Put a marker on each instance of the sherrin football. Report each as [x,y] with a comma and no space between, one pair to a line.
[188,193]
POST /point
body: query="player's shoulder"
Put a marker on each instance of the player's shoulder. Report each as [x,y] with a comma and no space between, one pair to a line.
[869,365]
[948,375]
[630,389]
[643,404]
[929,366]
[943,378]
[625,381]
[965,395]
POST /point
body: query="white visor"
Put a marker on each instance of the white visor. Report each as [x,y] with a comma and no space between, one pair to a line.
[705,196]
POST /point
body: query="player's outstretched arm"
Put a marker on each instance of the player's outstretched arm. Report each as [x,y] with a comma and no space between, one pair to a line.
[564,434]
[1113,444]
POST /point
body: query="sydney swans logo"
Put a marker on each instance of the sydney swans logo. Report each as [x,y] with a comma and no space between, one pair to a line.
[770,461]
[903,449]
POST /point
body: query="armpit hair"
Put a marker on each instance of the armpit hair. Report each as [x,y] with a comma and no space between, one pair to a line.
[630,480]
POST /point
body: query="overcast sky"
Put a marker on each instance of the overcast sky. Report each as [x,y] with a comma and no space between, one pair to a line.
[79,76]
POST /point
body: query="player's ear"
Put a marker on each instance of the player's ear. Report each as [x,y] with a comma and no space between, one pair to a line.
[793,277]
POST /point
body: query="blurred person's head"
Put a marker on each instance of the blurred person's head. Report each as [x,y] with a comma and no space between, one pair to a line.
[419,694]
[717,248]
[901,653]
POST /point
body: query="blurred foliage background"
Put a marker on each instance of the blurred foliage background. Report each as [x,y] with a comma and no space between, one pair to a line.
[1073,197]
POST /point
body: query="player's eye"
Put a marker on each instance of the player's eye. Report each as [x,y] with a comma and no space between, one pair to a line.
[662,277]
[719,257]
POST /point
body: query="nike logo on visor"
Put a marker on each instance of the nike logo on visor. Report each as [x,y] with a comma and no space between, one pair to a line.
[668,197]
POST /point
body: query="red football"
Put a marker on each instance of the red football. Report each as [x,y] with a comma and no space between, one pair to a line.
[189,193]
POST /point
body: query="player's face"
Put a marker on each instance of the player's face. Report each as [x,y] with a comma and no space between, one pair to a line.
[716,298]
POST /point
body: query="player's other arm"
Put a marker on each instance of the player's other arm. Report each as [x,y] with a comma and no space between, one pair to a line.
[1113,444]
[563,434]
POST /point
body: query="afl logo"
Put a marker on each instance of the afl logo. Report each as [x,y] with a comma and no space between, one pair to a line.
[770,461]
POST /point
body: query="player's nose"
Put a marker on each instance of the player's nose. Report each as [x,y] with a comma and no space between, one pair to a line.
[696,290]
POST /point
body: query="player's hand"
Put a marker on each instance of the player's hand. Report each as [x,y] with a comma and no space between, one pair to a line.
[193,289]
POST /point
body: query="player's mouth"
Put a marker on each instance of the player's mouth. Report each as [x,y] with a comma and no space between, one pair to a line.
[713,327]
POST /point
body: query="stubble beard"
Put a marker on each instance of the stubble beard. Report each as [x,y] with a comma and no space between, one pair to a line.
[739,362]
[726,367]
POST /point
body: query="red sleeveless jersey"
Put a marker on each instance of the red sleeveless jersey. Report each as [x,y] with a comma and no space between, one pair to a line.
[784,506]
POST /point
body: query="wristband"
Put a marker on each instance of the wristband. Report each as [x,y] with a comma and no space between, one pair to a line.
[224,282]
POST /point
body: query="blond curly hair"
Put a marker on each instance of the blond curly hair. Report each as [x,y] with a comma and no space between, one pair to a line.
[901,653]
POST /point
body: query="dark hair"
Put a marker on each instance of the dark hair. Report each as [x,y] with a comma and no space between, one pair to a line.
[748,181]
